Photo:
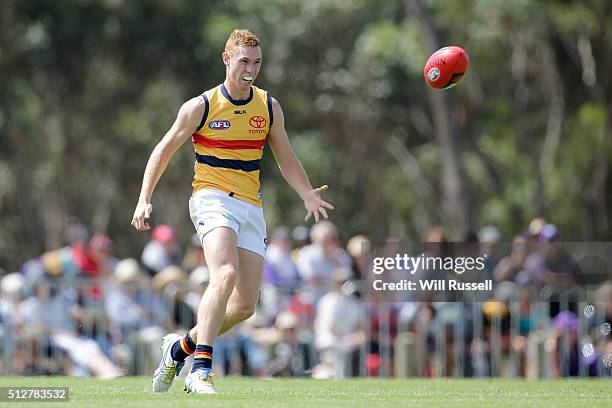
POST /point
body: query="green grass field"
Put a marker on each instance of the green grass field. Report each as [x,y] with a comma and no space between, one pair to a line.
[253,393]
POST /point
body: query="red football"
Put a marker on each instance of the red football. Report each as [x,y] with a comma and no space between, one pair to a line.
[446,67]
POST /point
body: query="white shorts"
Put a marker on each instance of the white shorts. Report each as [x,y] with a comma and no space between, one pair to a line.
[210,209]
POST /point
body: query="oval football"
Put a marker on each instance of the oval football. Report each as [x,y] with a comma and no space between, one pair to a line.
[446,67]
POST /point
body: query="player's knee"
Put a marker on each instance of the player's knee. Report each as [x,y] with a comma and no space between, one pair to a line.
[225,277]
[244,312]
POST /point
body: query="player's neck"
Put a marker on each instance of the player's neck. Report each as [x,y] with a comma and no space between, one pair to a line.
[235,92]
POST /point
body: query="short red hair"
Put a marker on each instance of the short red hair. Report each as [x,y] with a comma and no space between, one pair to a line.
[241,37]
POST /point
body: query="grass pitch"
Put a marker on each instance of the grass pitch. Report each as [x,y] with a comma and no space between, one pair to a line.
[247,392]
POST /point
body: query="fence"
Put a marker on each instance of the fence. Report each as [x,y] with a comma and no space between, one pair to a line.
[96,327]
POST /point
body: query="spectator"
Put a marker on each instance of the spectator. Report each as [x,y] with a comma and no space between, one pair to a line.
[198,280]
[511,267]
[535,227]
[122,305]
[489,237]
[301,238]
[358,247]
[49,313]
[564,344]
[85,257]
[171,285]
[339,328]
[134,314]
[11,294]
[11,326]
[101,247]
[194,255]
[302,305]
[280,275]
[317,261]
[549,264]
[239,352]
[80,261]
[289,357]
[161,250]
[91,292]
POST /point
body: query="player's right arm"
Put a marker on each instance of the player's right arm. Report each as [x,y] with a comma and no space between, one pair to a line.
[187,121]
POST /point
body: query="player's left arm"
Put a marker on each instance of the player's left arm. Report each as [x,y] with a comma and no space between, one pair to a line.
[292,169]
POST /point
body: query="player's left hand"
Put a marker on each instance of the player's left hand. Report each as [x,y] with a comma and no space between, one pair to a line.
[141,214]
[315,205]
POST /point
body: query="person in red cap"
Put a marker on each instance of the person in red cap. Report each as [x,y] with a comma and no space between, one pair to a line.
[101,248]
[161,250]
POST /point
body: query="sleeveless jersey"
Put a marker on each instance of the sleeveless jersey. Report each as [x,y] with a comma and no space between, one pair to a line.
[229,143]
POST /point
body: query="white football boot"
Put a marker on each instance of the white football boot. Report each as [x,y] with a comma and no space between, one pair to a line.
[168,368]
[200,382]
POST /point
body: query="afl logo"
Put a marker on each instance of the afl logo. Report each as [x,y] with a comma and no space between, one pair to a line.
[433,74]
[219,124]
[257,122]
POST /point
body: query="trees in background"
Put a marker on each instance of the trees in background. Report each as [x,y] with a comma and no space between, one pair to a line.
[87,88]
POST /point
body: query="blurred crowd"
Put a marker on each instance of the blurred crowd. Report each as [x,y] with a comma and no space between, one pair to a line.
[80,311]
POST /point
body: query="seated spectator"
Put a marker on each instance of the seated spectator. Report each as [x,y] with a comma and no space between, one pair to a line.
[50,313]
[237,352]
[289,357]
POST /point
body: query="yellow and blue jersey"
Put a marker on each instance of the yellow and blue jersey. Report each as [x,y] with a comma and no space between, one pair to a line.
[229,143]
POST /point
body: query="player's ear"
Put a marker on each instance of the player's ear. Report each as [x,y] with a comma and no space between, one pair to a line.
[226,58]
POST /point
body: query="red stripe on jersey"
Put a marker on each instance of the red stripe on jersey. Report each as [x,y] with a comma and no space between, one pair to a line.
[227,144]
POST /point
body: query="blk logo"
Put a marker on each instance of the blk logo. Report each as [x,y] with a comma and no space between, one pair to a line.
[240,112]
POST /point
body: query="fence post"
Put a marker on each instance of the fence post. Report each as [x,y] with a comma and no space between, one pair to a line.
[406,355]
[536,355]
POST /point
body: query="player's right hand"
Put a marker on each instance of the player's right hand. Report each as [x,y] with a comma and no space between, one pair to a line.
[141,213]
[315,204]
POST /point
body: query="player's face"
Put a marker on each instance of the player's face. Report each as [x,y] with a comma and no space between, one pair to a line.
[243,64]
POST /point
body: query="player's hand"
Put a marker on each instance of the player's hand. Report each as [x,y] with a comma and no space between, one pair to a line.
[315,205]
[141,213]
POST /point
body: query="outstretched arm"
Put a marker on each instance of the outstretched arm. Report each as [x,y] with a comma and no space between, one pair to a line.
[292,169]
[186,123]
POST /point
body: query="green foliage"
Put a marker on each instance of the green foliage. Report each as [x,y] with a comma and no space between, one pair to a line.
[89,87]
